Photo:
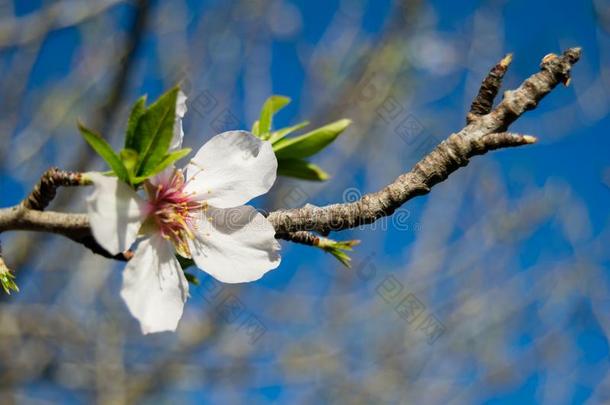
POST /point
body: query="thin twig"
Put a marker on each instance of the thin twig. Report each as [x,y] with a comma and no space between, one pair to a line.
[488,91]
[300,237]
[44,192]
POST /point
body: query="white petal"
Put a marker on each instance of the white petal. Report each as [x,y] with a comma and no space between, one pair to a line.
[178,131]
[163,177]
[116,212]
[235,245]
[231,169]
[154,286]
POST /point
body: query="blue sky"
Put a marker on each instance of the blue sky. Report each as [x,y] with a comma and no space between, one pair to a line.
[572,153]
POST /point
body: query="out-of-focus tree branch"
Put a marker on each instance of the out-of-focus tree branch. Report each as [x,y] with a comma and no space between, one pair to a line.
[104,116]
[21,31]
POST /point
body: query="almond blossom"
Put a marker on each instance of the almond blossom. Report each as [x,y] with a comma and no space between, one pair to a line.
[197,212]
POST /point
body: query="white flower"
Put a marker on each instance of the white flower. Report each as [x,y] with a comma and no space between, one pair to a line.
[196,212]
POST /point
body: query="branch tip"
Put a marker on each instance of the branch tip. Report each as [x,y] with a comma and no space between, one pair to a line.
[506,61]
[336,248]
[560,66]
[483,102]
[530,139]
[44,192]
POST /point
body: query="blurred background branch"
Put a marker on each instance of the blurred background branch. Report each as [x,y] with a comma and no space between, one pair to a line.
[517,298]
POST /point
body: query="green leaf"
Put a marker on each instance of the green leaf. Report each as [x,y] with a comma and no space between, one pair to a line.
[103,149]
[280,133]
[341,256]
[7,279]
[301,169]
[338,249]
[272,105]
[167,160]
[155,131]
[137,111]
[171,158]
[130,159]
[310,143]
[255,128]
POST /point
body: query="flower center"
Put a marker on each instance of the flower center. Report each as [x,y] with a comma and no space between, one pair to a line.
[173,211]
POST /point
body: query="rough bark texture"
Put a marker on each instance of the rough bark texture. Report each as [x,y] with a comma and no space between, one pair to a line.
[483,134]
[44,192]
[485,131]
[488,91]
[302,237]
[25,215]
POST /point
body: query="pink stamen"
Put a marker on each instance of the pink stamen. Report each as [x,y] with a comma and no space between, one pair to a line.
[174,211]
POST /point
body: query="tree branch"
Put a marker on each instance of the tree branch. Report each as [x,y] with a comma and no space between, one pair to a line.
[102,119]
[44,192]
[486,131]
[19,31]
[483,102]
[26,214]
